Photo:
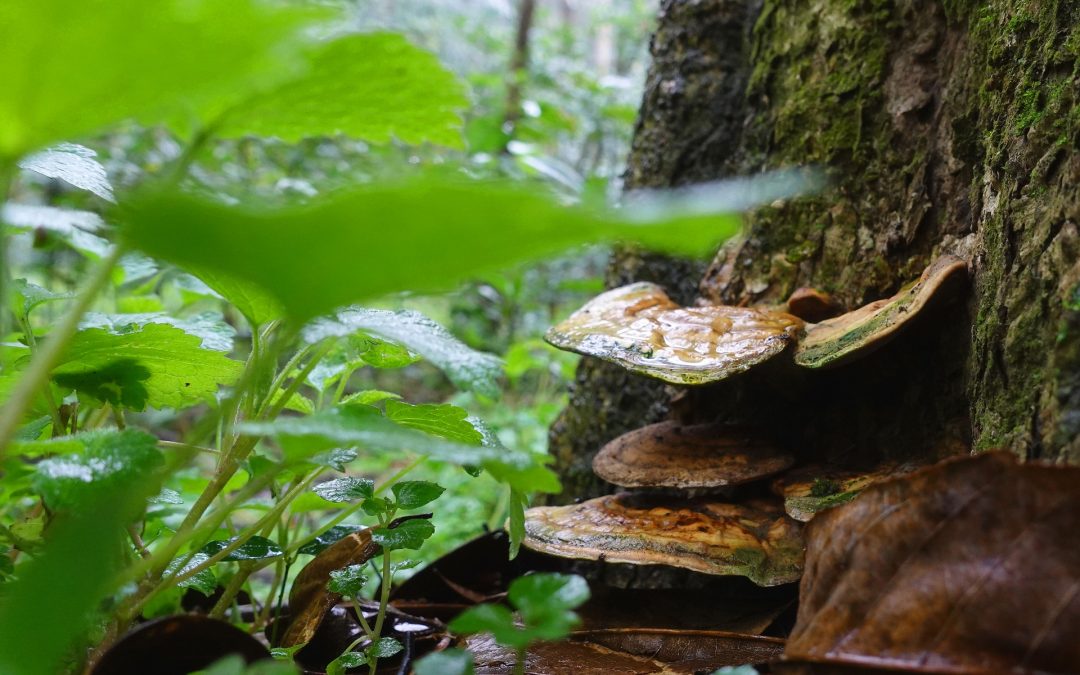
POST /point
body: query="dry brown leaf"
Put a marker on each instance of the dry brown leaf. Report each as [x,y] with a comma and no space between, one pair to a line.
[310,599]
[969,566]
[836,341]
[640,328]
[669,454]
[758,542]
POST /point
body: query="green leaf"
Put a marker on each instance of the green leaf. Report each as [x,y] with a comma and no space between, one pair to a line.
[28,296]
[76,228]
[167,496]
[516,506]
[412,494]
[108,460]
[345,489]
[363,244]
[256,548]
[75,570]
[409,535]
[73,164]
[376,506]
[210,327]
[375,87]
[466,367]
[348,581]
[363,426]
[75,66]
[321,542]
[160,365]
[383,648]
[446,662]
[494,619]
[369,397]
[438,419]
[347,660]
[257,306]
[538,595]
[203,581]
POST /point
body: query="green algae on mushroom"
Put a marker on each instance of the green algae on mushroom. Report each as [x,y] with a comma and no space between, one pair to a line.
[672,455]
[809,490]
[834,342]
[756,541]
[640,328]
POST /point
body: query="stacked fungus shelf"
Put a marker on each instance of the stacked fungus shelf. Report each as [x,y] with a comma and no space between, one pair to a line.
[670,512]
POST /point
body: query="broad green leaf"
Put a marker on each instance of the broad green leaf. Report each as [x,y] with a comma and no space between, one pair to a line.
[438,419]
[466,367]
[359,426]
[257,306]
[347,660]
[369,397]
[108,460]
[348,581]
[363,244]
[167,496]
[384,648]
[255,548]
[160,365]
[203,581]
[412,494]
[321,542]
[27,296]
[376,506]
[345,489]
[494,619]
[210,327]
[540,595]
[75,570]
[73,164]
[446,662]
[408,535]
[375,87]
[75,66]
[76,228]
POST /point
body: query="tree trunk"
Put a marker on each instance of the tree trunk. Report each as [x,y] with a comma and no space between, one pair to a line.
[944,128]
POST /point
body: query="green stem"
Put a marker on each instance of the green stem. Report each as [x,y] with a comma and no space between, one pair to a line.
[37,373]
[235,585]
[46,393]
[519,665]
[384,599]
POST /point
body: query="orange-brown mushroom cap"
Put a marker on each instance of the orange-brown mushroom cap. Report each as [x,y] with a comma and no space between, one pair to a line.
[640,328]
[671,455]
[758,542]
[836,341]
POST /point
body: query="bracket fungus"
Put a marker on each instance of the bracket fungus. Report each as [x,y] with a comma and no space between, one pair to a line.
[837,341]
[811,489]
[640,328]
[671,455]
[758,542]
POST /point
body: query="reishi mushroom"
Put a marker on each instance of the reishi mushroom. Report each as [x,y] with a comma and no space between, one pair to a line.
[672,455]
[756,541]
[837,341]
[640,328]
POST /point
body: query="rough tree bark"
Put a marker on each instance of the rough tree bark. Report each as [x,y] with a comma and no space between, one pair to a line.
[944,127]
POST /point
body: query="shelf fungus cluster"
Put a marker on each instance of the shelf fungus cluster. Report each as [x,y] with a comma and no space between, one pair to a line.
[670,513]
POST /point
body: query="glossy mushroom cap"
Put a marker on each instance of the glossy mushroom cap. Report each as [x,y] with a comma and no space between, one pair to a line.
[671,455]
[640,328]
[837,341]
[758,542]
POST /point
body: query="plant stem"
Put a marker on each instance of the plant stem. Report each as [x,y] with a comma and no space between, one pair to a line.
[42,363]
[235,585]
[519,665]
[384,599]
